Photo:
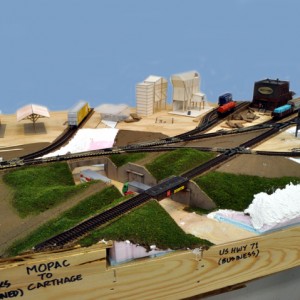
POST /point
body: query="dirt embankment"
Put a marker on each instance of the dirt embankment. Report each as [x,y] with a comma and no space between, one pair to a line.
[129,137]
[261,165]
[14,152]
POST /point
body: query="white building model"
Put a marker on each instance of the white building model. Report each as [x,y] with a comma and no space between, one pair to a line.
[151,95]
[186,92]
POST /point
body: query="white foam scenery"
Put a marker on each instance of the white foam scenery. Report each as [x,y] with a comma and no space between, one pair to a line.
[267,211]
[87,139]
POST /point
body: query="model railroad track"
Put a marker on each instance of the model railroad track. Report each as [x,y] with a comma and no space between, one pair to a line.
[159,191]
[53,146]
[207,121]
[160,145]
[241,106]
[155,146]
[92,223]
[237,150]
[86,226]
[62,140]
[264,135]
[210,119]
[224,132]
[208,165]
[295,153]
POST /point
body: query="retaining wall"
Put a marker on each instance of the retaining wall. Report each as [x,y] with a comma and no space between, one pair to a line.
[192,196]
[134,172]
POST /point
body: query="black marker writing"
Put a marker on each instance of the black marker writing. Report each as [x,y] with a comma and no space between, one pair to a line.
[5,284]
[54,282]
[11,294]
[238,253]
[47,267]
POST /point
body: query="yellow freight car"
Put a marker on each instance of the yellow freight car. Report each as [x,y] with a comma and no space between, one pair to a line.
[77,113]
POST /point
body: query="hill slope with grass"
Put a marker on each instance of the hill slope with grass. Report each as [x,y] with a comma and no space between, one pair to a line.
[39,188]
[231,191]
[85,209]
[177,161]
[147,225]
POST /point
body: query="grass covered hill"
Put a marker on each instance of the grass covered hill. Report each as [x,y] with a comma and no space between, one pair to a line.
[149,224]
[122,159]
[177,162]
[68,219]
[166,164]
[231,191]
[38,188]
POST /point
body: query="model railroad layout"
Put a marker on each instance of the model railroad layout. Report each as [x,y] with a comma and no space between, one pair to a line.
[164,189]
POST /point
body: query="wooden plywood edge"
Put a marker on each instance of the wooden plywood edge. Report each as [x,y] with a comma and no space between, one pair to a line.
[180,274]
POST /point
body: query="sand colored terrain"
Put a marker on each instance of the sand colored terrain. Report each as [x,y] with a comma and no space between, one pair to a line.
[262,165]
[46,130]
[202,226]
[284,141]
[281,142]
[261,118]
[163,122]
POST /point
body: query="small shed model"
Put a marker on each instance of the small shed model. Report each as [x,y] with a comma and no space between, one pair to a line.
[32,112]
[186,91]
[151,95]
[112,112]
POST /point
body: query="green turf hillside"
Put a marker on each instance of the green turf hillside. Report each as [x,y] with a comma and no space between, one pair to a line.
[122,159]
[147,225]
[177,161]
[38,188]
[85,209]
[230,191]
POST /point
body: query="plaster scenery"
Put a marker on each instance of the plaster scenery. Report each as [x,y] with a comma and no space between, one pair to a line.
[88,139]
[266,212]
